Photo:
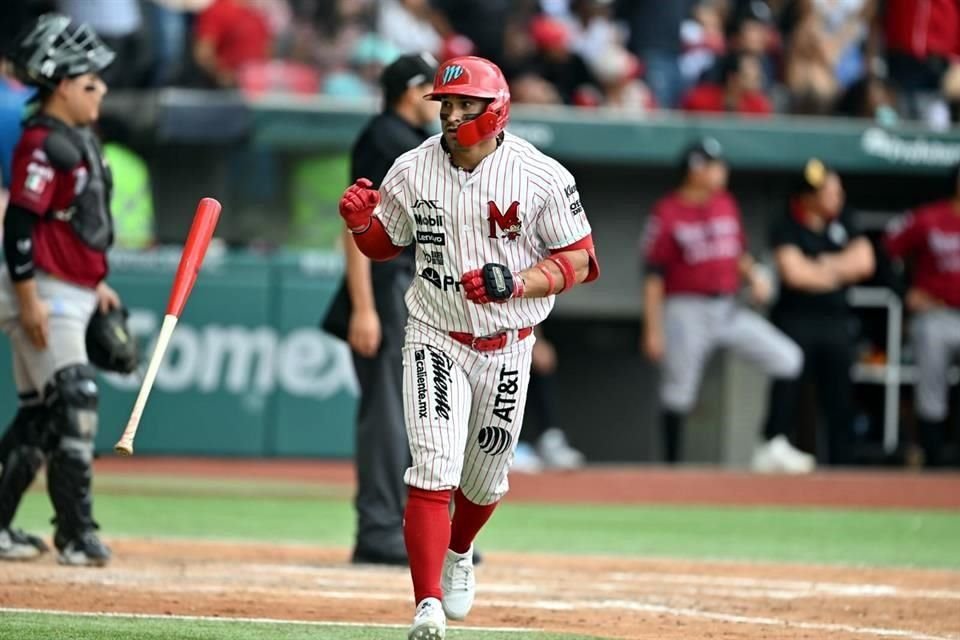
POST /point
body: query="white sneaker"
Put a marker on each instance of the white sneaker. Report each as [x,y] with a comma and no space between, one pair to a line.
[779,456]
[18,545]
[458,583]
[526,460]
[556,452]
[429,623]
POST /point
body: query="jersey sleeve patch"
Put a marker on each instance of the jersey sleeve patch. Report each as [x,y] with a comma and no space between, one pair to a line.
[33,177]
[562,220]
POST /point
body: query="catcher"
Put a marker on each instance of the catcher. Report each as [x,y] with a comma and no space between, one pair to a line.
[57,229]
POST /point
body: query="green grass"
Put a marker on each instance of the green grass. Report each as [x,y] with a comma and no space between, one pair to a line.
[864,537]
[29,626]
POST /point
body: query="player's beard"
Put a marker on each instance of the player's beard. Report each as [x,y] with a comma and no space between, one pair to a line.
[450,135]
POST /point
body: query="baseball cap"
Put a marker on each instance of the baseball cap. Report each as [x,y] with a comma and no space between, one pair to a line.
[407,71]
[814,176]
[549,33]
[702,152]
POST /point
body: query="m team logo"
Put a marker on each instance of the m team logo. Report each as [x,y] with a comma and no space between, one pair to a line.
[494,441]
[451,73]
[508,222]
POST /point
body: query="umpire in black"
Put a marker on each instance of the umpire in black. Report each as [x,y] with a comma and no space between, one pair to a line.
[369,312]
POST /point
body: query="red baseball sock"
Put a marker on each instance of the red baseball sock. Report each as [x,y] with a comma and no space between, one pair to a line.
[426,533]
[468,519]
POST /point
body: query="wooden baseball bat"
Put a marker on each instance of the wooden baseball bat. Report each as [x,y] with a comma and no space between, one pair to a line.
[201,230]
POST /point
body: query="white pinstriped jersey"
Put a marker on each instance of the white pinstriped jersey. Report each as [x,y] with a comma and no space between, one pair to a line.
[512,209]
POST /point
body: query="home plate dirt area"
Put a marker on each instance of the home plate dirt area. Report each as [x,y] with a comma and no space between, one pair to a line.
[606,597]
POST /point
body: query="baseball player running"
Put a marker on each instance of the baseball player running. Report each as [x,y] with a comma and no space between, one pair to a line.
[56,232]
[500,230]
[930,236]
[695,251]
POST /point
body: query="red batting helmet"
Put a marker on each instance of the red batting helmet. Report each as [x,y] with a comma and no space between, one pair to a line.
[475,78]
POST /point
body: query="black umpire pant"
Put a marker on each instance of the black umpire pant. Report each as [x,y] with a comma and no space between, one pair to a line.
[382,451]
[827,344]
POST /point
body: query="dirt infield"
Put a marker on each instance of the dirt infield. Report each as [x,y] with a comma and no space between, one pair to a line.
[607,597]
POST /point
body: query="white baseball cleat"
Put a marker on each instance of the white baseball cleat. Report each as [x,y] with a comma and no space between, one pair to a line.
[556,452]
[429,622]
[526,460]
[458,583]
[779,456]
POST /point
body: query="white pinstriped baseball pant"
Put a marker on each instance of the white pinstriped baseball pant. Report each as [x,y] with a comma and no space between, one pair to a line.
[463,410]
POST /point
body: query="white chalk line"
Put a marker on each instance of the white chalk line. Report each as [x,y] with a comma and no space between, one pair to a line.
[542,605]
[228,619]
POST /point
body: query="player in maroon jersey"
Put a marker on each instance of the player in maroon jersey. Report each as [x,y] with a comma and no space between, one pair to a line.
[696,259]
[57,230]
[929,236]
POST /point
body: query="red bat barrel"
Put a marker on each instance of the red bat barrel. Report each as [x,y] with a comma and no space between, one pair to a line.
[201,230]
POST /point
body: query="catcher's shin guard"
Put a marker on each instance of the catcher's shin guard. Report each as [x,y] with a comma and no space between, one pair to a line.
[71,399]
[22,456]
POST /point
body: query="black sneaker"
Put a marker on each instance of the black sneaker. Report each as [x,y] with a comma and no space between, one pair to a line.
[84,550]
[16,544]
[394,555]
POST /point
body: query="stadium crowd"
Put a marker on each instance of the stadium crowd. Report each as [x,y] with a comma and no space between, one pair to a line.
[878,59]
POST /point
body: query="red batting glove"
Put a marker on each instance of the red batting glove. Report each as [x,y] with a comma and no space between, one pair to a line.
[492,283]
[357,205]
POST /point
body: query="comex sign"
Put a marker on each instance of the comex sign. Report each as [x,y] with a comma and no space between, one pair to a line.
[244,360]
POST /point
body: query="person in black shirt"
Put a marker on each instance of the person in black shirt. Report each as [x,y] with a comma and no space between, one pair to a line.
[370,314]
[819,253]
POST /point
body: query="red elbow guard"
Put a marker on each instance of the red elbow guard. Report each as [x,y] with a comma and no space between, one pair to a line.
[375,242]
[586,244]
[567,269]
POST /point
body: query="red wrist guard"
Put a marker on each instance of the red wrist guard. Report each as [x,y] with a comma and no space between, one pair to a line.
[566,268]
[519,286]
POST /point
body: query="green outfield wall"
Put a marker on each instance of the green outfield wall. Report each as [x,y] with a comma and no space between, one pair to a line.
[247,372]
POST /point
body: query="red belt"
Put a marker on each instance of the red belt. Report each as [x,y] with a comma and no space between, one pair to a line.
[489,343]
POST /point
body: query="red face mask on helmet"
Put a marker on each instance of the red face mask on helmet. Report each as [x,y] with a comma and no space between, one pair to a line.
[474,77]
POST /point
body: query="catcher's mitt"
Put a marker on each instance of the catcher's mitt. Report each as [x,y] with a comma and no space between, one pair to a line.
[110,345]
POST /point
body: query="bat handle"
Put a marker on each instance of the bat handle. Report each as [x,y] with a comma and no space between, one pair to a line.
[124,445]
